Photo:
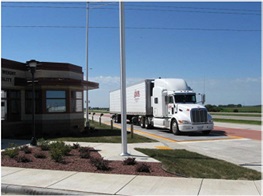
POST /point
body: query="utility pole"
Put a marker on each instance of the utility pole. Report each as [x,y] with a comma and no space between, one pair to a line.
[87,64]
[123,80]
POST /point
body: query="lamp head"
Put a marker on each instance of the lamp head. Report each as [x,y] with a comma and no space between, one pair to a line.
[32,63]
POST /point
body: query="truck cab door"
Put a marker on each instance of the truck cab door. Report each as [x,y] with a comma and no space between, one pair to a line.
[170,106]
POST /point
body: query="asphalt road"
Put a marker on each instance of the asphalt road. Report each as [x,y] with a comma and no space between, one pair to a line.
[238,144]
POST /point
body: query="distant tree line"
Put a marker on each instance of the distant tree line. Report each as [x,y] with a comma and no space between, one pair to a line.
[220,108]
[98,108]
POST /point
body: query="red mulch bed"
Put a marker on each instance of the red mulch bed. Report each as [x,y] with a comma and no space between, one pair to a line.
[74,162]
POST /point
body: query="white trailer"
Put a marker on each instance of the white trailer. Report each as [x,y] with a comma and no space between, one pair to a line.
[164,103]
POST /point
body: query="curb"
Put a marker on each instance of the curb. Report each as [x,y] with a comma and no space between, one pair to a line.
[27,190]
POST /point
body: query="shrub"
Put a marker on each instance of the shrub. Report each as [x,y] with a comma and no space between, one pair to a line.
[23,159]
[26,149]
[63,148]
[40,155]
[142,167]
[129,161]
[85,154]
[56,154]
[12,151]
[43,144]
[100,163]
[83,149]
[75,146]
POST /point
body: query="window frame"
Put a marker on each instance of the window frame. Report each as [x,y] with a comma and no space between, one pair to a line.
[75,100]
[60,98]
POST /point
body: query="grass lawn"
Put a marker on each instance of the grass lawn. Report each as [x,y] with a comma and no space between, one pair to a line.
[104,134]
[248,109]
[190,164]
[250,122]
[236,114]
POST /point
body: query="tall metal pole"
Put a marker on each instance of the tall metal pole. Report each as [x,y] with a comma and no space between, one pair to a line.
[87,63]
[123,80]
[33,140]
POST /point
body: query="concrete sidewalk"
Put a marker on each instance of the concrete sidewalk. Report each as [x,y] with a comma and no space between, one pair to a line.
[35,181]
[54,182]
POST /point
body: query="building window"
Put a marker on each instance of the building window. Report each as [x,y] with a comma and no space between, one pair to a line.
[10,105]
[3,105]
[55,101]
[38,103]
[76,101]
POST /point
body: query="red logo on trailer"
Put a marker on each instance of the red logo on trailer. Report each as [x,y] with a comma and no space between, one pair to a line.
[136,95]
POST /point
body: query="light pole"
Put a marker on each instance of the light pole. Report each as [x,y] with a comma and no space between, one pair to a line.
[87,65]
[123,80]
[32,64]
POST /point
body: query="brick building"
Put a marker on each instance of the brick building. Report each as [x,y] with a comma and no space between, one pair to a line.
[58,98]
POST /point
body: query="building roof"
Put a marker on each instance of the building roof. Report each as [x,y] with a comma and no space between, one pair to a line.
[51,66]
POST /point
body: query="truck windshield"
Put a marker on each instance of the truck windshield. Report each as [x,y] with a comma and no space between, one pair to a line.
[185,98]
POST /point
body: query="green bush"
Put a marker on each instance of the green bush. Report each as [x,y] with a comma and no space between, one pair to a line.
[100,163]
[12,150]
[75,146]
[26,149]
[129,161]
[58,150]
[142,167]
[40,155]
[23,159]
[43,144]
[56,154]
[65,149]
[85,152]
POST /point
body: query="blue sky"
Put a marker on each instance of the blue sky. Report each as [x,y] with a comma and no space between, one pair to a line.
[215,47]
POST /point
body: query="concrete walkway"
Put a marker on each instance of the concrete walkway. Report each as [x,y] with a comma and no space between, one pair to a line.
[54,182]
[35,181]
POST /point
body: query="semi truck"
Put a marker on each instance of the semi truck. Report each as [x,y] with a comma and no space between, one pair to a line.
[167,103]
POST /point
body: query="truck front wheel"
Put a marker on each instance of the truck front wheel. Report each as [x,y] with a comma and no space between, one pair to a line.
[174,128]
[206,132]
[147,123]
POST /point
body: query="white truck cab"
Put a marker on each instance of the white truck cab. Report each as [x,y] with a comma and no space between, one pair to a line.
[175,108]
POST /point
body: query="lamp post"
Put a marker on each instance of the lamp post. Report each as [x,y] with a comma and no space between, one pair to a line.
[123,80]
[32,64]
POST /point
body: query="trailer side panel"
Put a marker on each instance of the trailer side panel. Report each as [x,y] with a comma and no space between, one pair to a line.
[138,99]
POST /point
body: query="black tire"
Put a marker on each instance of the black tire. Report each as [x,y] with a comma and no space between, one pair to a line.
[146,123]
[206,132]
[174,128]
[118,118]
[142,122]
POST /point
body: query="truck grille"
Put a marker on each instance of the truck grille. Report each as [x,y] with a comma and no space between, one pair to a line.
[199,115]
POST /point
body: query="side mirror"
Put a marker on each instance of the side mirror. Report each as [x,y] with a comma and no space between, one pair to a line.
[203,98]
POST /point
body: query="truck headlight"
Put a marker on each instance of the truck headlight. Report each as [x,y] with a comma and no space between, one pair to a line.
[184,122]
[210,121]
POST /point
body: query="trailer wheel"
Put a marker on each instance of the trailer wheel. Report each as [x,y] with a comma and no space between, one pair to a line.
[142,122]
[118,118]
[174,128]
